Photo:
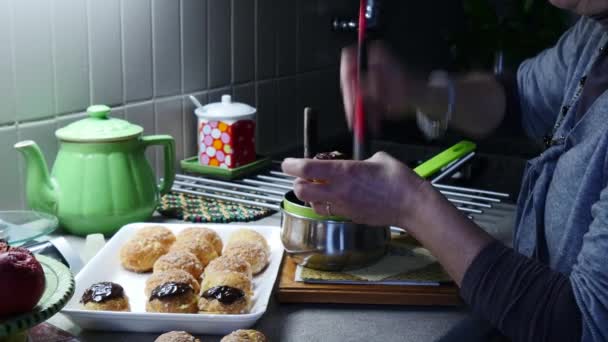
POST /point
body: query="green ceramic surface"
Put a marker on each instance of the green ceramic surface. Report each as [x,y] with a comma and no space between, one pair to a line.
[192,165]
[294,206]
[59,289]
[98,187]
[98,127]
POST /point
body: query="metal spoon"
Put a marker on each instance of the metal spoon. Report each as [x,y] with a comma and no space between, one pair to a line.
[195,101]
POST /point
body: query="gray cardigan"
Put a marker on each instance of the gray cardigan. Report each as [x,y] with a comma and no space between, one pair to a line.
[563,206]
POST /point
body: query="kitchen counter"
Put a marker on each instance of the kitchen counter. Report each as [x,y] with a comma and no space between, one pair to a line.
[322,322]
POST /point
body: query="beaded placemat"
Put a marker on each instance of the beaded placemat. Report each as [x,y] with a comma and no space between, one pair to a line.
[193,208]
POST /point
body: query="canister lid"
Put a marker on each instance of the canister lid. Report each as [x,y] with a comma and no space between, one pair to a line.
[225,110]
[99,127]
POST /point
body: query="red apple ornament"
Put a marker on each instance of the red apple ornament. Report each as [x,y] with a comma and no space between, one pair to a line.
[21,280]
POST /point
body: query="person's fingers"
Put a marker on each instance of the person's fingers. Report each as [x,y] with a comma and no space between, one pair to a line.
[348,72]
[314,192]
[380,157]
[328,208]
[325,170]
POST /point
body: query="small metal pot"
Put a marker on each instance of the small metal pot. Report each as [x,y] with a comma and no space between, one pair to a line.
[329,243]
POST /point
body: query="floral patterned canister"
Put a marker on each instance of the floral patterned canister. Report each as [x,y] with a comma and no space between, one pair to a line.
[226,134]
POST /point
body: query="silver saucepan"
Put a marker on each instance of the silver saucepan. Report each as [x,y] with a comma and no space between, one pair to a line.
[329,243]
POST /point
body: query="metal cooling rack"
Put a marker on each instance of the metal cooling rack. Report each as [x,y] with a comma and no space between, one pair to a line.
[266,189]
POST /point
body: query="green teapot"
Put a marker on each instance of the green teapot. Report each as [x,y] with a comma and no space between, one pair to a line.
[101,179]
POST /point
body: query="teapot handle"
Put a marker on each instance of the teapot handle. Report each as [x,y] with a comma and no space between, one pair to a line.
[168,144]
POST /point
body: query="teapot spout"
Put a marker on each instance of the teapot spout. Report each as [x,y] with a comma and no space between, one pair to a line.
[41,190]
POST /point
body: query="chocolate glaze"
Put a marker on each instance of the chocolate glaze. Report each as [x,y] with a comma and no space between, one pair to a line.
[102,292]
[170,289]
[224,294]
[335,155]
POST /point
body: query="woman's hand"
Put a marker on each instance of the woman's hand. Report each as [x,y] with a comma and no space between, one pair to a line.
[379,191]
[388,89]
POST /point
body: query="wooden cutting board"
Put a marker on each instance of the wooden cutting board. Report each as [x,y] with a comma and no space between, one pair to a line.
[291,291]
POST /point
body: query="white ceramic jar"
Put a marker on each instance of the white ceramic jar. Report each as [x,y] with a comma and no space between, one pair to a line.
[226,134]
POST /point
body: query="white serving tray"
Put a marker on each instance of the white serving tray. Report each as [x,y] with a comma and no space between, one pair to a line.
[105,266]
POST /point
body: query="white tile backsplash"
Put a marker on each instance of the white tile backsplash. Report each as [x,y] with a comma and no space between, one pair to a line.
[43,133]
[143,114]
[33,59]
[142,57]
[137,49]
[219,43]
[70,55]
[65,120]
[167,54]
[105,51]
[7,79]
[11,180]
[190,123]
[169,116]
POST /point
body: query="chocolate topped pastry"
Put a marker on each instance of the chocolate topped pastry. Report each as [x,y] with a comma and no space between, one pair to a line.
[335,155]
[173,296]
[105,296]
[170,289]
[171,276]
[224,294]
[102,292]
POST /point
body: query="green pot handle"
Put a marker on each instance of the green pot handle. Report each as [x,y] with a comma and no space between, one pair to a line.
[168,144]
[431,166]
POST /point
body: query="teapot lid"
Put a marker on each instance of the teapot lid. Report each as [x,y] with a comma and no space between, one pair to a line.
[226,110]
[98,127]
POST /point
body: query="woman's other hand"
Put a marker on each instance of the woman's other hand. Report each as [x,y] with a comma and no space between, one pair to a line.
[387,87]
[379,191]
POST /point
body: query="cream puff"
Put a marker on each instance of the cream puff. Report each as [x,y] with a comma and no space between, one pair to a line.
[226,293]
[202,233]
[145,247]
[245,336]
[105,296]
[176,336]
[173,297]
[248,235]
[227,263]
[160,233]
[203,250]
[175,276]
[252,252]
[179,260]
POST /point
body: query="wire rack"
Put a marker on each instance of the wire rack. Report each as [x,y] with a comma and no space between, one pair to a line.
[266,189]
